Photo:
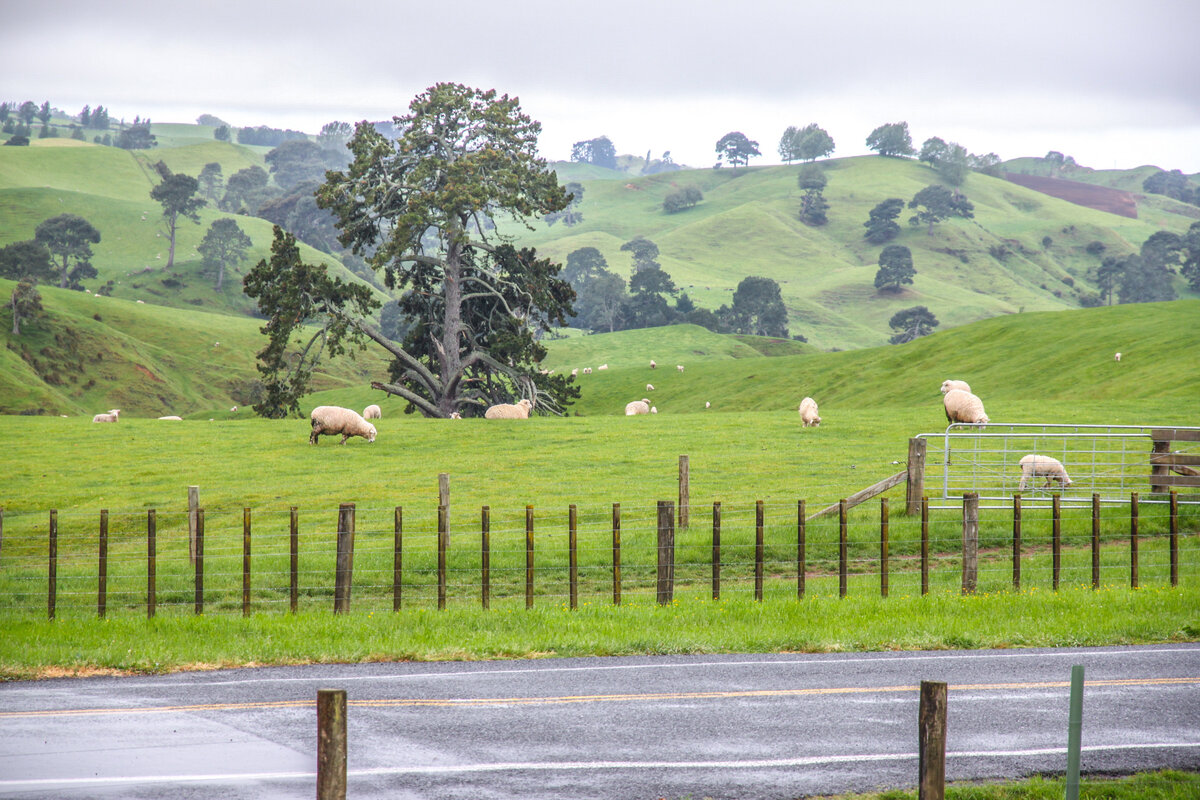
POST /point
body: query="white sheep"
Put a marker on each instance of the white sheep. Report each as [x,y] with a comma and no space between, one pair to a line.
[332,420]
[707,404]
[949,386]
[111,416]
[1117,357]
[653,365]
[679,367]
[518,410]
[575,373]
[372,412]
[455,415]
[637,407]
[808,413]
[653,410]
[587,370]
[234,409]
[964,407]
[649,387]
[173,418]
[1034,466]
[602,366]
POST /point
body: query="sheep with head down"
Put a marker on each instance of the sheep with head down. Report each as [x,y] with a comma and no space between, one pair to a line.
[372,412]
[808,413]
[964,407]
[334,420]
[637,407]
[949,386]
[518,410]
[1034,466]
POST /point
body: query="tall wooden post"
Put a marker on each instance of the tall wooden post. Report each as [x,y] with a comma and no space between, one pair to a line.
[1173,542]
[684,491]
[716,551]
[294,559]
[915,487]
[970,542]
[931,742]
[344,577]
[528,556]
[924,545]
[245,562]
[443,535]
[199,586]
[397,558]
[1,529]
[1133,540]
[102,583]
[801,556]
[573,556]
[444,499]
[1016,544]
[666,552]
[193,510]
[151,563]
[843,550]
[52,566]
[485,556]
[759,548]
[883,547]
[331,744]
[616,550]
[1055,540]
[1095,540]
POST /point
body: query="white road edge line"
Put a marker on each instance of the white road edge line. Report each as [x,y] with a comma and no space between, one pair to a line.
[534,766]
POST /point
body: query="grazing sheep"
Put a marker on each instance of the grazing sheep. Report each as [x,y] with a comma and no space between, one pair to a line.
[1034,466]
[602,366]
[111,416]
[649,387]
[332,420]
[964,407]
[372,412]
[707,404]
[808,413]
[949,386]
[455,415]
[173,417]
[679,367]
[575,372]
[234,409]
[1117,357]
[519,410]
[637,407]
[653,410]
[653,365]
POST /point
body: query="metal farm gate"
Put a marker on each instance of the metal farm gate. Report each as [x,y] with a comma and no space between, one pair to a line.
[1112,461]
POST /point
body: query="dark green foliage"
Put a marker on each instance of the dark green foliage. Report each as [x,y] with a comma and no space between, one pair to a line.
[1191,257]
[599,151]
[223,246]
[911,323]
[935,203]
[736,148]
[26,112]
[892,139]
[895,268]
[950,159]
[571,215]
[245,190]
[293,296]
[599,292]
[177,196]
[222,134]
[69,238]
[882,226]
[137,136]
[211,181]
[682,200]
[267,137]
[805,144]
[25,303]
[26,262]
[1171,184]
[1095,248]
[17,140]
[757,309]
[298,161]
[298,213]
[644,251]
[813,205]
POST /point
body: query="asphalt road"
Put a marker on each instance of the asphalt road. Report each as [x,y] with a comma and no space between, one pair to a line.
[733,726]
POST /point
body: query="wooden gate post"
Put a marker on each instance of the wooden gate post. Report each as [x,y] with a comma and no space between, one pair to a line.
[1095,540]
[931,741]
[397,558]
[666,552]
[1016,543]
[331,744]
[801,555]
[293,559]
[485,557]
[1133,540]
[970,542]
[916,476]
[193,509]
[1055,540]
[344,577]
[246,562]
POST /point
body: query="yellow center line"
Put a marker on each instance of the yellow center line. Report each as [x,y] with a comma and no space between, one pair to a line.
[467,702]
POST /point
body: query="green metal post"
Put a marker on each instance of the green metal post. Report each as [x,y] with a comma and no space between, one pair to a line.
[1075,732]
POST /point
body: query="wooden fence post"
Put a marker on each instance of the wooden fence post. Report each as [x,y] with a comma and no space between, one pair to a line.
[843,550]
[1133,540]
[666,552]
[716,551]
[685,491]
[397,558]
[528,556]
[344,569]
[52,566]
[915,487]
[444,499]
[199,584]
[931,741]
[245,562]
[801,556]
[1055,540]
[883,547]
[151,563]
[1095,540]
[485,556]
[616,549]
[293,559]
[1173,542]
[193,511]
[1016,543]
[1,529]
[924,545]
[331,744]
[443,536]
[759,548]
[573,556]
[102,582]
[970,542]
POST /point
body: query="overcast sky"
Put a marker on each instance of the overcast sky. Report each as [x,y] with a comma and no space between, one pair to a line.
[1113,83]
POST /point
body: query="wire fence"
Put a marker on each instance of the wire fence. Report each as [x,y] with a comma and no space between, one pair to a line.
[229,560]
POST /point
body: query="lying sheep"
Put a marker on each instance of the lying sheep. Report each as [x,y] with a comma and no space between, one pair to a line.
[649,387]
[455,415]
[602,366]
[111,416]
[1034,466]
[173,418]
[372,412]
[964,407]
[332,420]
[808,413]
[519,410]
[638,407]
[949,386]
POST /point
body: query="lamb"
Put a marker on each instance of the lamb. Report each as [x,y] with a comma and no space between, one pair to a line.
[653,365]
[1117,357]
[111,416]
[653,410]
[372,412]
[519,410]
[649,387]
[455,415]
[808,413]
[602,366]
[332,420]
[1034,466]
[964,407]
[173,418]
[679,367]
[948,386]
[575,372]
[638,407]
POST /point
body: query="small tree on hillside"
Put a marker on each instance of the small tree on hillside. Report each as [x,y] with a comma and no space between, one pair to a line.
[211,181]
[911,323]
[177,196]
[26,262]
[223,246]
[69,238]
[892,139]
[758,308]
[599,151]
[935,203]
[895,268]
[882,226]
[813,205]
[685,198]
[736,148]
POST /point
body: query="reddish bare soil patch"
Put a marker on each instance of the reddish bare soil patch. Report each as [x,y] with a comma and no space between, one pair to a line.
[1101,198]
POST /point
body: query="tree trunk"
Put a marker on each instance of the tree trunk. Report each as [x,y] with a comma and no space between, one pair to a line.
[62,280]
[171,221]
[451,326]
[16,315]
[220,274]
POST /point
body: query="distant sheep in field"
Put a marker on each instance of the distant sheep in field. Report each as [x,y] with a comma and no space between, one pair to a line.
[455,415]
[949,386]
[653,410]
[964,407]
[172,417]
[649,387]
[1034,466]
[111,416]
[1117,357]
[587,370]
[602,366]
[653,365]
[372,412]
[575,372]
[679,367]
[332,420]
[707,404]
[234,409]
[519,410]
[638,407]
[808,413]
